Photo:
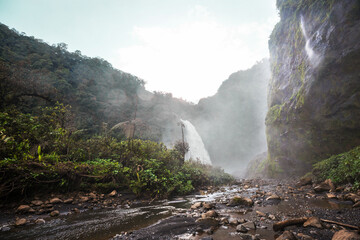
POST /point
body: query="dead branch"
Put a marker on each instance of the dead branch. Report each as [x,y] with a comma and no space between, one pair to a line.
[295,221]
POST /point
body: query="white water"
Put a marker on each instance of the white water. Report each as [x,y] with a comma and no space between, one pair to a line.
[197,149]
[314,58]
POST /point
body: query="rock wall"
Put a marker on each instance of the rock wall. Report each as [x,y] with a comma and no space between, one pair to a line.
[314,93]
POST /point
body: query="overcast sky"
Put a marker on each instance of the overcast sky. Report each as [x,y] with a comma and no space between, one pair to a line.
[186,47]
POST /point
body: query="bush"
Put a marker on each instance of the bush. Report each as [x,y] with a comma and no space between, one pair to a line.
[341,168]
[41,153]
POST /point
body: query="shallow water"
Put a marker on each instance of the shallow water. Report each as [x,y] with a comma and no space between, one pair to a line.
[102,224]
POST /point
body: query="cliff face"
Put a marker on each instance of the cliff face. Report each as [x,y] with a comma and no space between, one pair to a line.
[314,93]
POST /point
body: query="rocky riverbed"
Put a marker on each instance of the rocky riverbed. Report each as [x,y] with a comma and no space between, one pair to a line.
[250,209]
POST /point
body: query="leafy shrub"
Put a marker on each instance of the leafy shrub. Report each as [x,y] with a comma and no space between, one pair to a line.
[341,168]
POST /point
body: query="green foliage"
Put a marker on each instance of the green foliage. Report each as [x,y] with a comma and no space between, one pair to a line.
[40,152]
[341,168]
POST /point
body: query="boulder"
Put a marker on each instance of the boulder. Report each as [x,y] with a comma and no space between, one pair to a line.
[287,235]
[23,208]
[113,193]
[249,225]
[241,228]
[346,235]
[20,222]
[238,200]
[68,201]
[196,205]
[209,214]
[304,181]
[54,213]
[55,200]
[39,221]
[313,222]
[37,202]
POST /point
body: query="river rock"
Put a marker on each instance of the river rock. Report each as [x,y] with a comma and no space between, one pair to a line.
[322,187]
[39,221]
[23,208]
[84,199]
[261,214]
[209,214]
[54,213]
[346,235]
[331,185]
[20,222]
[238,200]
[353,197]
[208,206]
[113,193]
[92,195]
[273,197]
[68,201]
[356,205]
[313,222]
[196,205]
[249,225]
[55,200]
[305,237]
[304,181]
[37,202]
[287,235]
[331,196]
[241,228]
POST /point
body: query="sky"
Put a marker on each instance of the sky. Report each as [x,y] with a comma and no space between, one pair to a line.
[184,47]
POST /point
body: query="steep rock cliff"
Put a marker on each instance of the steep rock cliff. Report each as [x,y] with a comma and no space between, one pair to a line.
[314,95]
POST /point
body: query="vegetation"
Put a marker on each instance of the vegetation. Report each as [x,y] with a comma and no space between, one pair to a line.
[45,152]
[341,168]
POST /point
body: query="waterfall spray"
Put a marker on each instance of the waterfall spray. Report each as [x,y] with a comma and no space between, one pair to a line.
[197,150]
[313,57]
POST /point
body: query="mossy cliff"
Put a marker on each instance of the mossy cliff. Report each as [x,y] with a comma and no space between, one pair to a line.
[314,93]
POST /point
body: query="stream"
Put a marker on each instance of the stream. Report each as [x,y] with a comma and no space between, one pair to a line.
[106,223]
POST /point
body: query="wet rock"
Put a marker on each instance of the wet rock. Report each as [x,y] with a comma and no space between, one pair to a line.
[55,200]
[37,202]
[20,222]
[5,228]
[352,197]
[322,187]
[331,196]
[331,185]
[241,228]
[209,214]
[113,193]
[233,221]
[313,222]
[346,235]
[208,206]
[287,235]
[356,205]
[196,205]
[305,237]
[273,197]
[84,199]
[224,220]
[39,221]
[272,217]
[249,225]
[304,181]
[68,201]
[23,208]
[54,213]
[261,214]
[237,200]
[92,195]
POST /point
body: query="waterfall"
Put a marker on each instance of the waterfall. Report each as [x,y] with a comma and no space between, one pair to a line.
[313,57]
[197,150]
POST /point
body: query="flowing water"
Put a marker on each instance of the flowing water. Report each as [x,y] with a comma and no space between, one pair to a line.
[313,57]
[197,150]
[101,224]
